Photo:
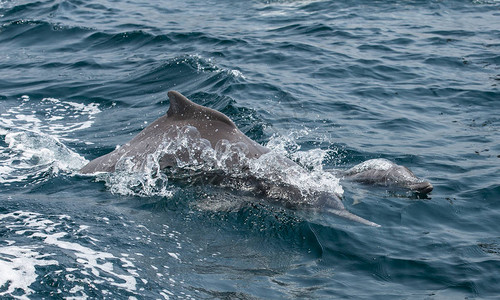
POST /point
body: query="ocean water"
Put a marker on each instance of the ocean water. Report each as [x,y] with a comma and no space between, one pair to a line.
[329,84]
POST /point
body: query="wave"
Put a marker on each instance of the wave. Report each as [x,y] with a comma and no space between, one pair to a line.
[33,134]
[71,256]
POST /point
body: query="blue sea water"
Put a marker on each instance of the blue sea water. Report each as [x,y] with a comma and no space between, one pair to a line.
[329,83]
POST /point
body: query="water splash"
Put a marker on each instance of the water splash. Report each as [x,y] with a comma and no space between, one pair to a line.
[32,135]
[287,145]
[206,65]
[184,154]
[35,155]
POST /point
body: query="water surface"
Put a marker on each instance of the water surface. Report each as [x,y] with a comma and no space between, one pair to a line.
[330,84]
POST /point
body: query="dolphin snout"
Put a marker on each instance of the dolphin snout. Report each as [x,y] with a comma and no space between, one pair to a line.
[424,187]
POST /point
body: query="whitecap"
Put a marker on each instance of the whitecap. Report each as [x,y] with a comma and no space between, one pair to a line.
[34,132]
[18,265]
[48,235]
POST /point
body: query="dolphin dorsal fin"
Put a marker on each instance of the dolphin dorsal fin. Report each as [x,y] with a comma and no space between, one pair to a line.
[183,108]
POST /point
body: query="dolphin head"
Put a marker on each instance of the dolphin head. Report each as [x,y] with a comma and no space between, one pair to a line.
[422,187]
[400,175]
[386,173]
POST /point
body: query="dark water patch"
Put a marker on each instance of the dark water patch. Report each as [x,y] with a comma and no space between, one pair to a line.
[451,62]
[175,70]
[90,64]
[137,39]
[427,212]
[437,40]
[491,246]
[132,40]
[376,48]
[487,60]
[369,62]
[453,33]
[412,82]
[38,33]
[382,73]
[182,73]
[456,95]
[18,88]
[350,110]
[277,59]
[330,72]
[369,68]
[205,39]
[401,41]
[28,10]
[487,196]
[19,65]
[420,277]
[404,125]
[132,27]
[369,93]
[96,6]
[74,90]
[398,74]
[217,82]
[316,30]
[298,47]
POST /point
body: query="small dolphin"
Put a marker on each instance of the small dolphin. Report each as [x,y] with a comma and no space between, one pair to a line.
[215,128]
[386,173]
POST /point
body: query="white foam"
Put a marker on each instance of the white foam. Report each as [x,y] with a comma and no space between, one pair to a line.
[174,255]
[34,130]
[237,74]
[30,154]
[208,65]
[18,262]
[165,294]
[17,265]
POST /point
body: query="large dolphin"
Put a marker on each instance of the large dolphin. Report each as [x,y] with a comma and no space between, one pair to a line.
[212,125]
[215,129]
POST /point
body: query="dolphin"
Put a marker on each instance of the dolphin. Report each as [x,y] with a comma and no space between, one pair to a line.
[212,125]
[215,129]
[384,172]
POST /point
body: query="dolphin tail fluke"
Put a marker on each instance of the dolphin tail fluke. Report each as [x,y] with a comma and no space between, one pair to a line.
[352,217]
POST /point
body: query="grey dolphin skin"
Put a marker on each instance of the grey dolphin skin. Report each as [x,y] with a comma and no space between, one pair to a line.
[386,173]
[214,127]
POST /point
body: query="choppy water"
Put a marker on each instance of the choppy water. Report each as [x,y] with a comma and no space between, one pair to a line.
[329,83]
